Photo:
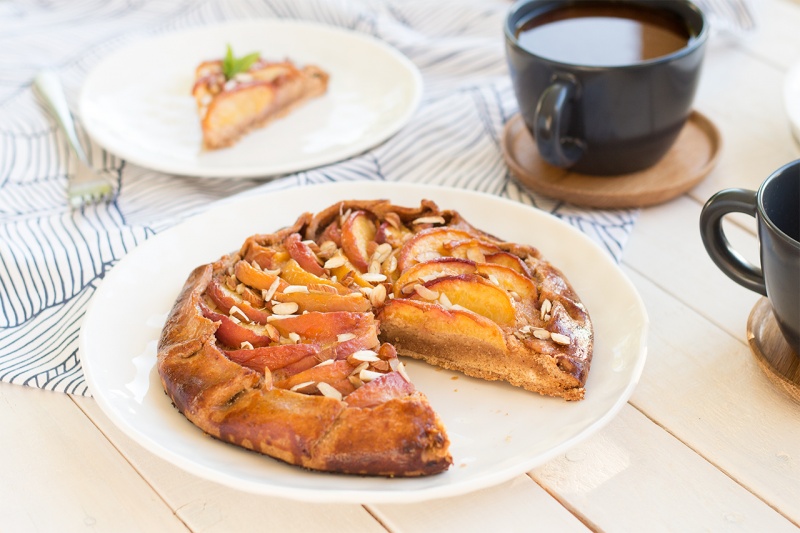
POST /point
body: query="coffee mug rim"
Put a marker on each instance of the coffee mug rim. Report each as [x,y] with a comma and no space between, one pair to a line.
[760,204]
[690,47]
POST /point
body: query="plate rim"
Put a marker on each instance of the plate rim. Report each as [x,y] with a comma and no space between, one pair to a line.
[120,149]
[347,495]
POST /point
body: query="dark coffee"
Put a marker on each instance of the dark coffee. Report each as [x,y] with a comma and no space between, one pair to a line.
[603,34]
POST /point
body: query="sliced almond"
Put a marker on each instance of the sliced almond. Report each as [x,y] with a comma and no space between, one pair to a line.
[373,278]
[342,337]
[546,306]
[368,375]
[426,293]
[271,291]
[246,345]
[329,391]
[378,295]
[401,369]
[558,338]
[294,337]
[300,386]
[542,334]
[335,262]
[285,308]
[236,311]
[295,288]
[368,356]
[429,220]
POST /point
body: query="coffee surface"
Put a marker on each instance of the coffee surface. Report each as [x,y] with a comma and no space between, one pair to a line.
[603,34]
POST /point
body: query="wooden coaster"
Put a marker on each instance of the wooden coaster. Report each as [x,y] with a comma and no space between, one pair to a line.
[690,159]
[774,355]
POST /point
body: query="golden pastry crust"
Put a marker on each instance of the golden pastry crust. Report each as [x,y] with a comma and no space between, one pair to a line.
[228,109]
[287,347]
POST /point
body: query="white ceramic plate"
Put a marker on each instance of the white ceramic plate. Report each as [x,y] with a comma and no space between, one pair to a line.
[497,431]
[137,102]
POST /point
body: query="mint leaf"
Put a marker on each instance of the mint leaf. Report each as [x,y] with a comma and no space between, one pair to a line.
[231,65]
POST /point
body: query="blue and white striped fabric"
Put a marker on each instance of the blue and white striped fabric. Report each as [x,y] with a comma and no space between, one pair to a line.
[52,259]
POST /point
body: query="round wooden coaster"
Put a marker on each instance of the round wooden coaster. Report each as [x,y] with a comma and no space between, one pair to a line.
[690,159]
[773,354]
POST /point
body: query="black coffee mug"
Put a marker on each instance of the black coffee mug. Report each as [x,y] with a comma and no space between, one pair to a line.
[776,207]
[605,120]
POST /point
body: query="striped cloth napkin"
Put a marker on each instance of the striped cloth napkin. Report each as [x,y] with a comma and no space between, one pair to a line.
[52,259]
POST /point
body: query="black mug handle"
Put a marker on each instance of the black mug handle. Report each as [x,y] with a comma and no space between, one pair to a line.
[717,245]
[550,122]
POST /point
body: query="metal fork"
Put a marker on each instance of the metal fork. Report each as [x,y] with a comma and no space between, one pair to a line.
[86,185]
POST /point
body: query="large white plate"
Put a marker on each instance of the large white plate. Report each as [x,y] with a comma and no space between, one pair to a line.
[137,102]
[497,431]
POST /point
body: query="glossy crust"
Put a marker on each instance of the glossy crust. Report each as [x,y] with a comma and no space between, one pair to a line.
[400,437]
[439,289]
[229,109]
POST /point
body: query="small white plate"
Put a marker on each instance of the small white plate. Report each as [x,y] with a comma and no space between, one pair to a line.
[137,102]
[497,431]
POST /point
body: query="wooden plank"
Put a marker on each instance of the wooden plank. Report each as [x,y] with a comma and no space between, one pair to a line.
[703,385]
[207,506]
[517,505]
[633,476]
[60,474]
[666,248]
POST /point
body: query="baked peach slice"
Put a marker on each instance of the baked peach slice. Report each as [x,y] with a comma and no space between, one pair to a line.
[403,320]
[396,236]
[355,302]
[474,293]
[386,387]
[234,334]
[294,274]
[232,303]
[429,244]
[331,373]
[435,268]
[302,253]
[325,327]
[273,357]
[358,231]
[347,272]
[509,260]
[509,279]
[256,278]
[473,249]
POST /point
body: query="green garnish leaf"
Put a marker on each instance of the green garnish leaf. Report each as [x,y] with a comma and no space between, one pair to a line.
[231,66]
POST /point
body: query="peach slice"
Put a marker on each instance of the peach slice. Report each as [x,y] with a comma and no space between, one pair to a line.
[473,249]
[429,244]
[226,299]
[323,327]
[476,294]
[365,338]
[510,280]
[322,301]
[273,357]
[409,323]
[511,261]
[305,257]
[267,258]
[332,232]
[294,274]
[329,373]
[358,231]
[387,387]
[394,236]
[258,279]
[435,268]
[348,271]
[232,334]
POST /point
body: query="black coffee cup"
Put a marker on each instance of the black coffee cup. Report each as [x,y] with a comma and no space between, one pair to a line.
[776,207]
[604,119]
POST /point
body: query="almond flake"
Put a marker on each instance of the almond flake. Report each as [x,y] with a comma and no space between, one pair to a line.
[425,292]
[271,318]
[295,288]
[343,337]
[390,264]
[246,345]
[355,381]
[558,338]
[328,249]
[294,337]
[329,391]
[542,334]
[429,220]
[234,319]
[271,291]
[368,375]
[373,278]
[382,252]
[238,311]
[359,368]
[302,385]
[393,219]
[267,378]
[378,296]
[335,261]
[494,279]
[276,272]
[445,301]
[374,267]
[401,369]
[365,355]
[285,308]
[546,306]
[326,362]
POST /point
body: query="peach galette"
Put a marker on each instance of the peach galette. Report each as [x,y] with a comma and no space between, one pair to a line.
[290,346]
[235,95]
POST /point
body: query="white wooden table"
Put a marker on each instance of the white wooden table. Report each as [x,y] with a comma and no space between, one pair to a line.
[705,443]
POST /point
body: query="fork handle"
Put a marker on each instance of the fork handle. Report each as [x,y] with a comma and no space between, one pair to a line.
[52,94]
